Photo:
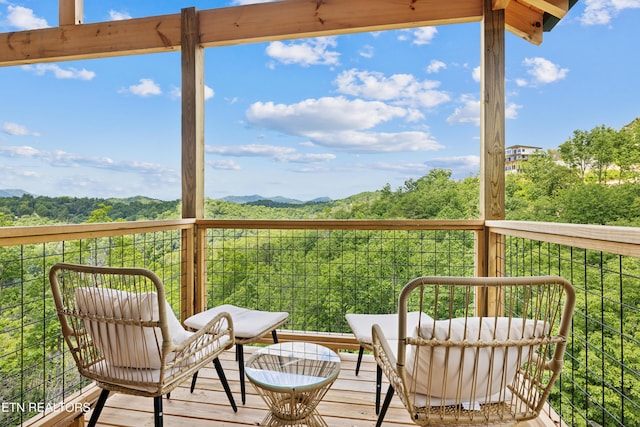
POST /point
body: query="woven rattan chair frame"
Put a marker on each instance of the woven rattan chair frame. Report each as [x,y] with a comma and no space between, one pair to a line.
[101,312]
[448,374]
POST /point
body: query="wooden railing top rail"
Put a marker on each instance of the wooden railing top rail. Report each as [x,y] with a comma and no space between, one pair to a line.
[613,239]
[347,224]
[50,233]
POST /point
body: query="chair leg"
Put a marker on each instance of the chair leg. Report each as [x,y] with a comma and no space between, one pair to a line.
[225,384]
[378,387]
[274,335]
[157,411]
[240,357]
[359,360]
[385,406]
[98,408]
[193,381]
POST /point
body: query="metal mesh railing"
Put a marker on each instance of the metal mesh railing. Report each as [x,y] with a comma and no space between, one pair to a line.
[319,275]
[600,382]
[37,372]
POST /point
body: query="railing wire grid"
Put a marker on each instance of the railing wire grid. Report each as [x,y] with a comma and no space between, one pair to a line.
[600,382]
[318,276]
[37,372]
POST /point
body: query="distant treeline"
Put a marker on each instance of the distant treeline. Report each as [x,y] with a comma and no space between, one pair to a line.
[72,210]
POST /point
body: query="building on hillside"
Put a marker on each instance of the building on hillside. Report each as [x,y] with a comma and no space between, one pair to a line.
[515,154]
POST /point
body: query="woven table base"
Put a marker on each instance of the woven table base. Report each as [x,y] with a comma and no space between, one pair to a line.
[313,420]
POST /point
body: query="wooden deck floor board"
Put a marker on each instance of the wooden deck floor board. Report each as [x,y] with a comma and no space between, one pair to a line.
[349,402]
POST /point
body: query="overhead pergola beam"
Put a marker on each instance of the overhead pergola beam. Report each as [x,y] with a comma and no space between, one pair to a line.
[557,8]
[305,18]
[287,19]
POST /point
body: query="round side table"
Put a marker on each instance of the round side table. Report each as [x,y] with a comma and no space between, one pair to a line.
[292,378]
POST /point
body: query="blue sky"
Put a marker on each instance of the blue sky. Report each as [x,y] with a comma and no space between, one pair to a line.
[327,117]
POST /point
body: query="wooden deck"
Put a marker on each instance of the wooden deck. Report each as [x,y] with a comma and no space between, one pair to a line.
[349,402]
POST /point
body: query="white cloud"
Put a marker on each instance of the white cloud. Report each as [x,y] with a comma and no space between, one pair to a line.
[475,74]
[341,124]
[116,15]
[24,19]
[59,158]
[511,111]
[424,35]
[146,87]
[60,73]
[544,71]
[419,36]
[469,111]
[250,150]
[436,66]
[308,158]
[404,89]
[15,129]
[323,114]
[228,164]
[376,142]
[462,165]
[367,51]
[601,12]
[278,153]
[208,92]
[310,52]
[412,168]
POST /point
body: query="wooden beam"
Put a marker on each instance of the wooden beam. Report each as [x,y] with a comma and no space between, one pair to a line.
[557,8]
[524,22]
[492,115]
[72,42]
[500,4]
[312,18]
[229,26]
[70,12]
[286,19]
[192,117]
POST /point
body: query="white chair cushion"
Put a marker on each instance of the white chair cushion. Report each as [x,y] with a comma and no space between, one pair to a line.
[476,376]
[246,323]
[127,345]
[361,325]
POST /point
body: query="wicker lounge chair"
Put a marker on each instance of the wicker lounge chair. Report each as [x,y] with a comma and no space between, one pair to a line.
[361,325]
[123,334]
[456,368]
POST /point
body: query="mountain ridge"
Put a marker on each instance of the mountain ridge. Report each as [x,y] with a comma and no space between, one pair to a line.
[231,199]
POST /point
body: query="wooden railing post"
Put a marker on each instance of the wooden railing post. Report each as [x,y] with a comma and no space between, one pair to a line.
[200,297]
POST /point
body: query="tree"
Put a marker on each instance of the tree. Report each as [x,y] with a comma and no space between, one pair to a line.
[577,151]
[628,148]
[603,139]
[100,215]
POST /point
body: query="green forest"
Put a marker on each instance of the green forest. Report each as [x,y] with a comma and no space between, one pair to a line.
[589,179]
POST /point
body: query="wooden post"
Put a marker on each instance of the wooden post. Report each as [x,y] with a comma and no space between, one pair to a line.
[192,154]
[492,114]
[70,12]
[192,117]
[492,144]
